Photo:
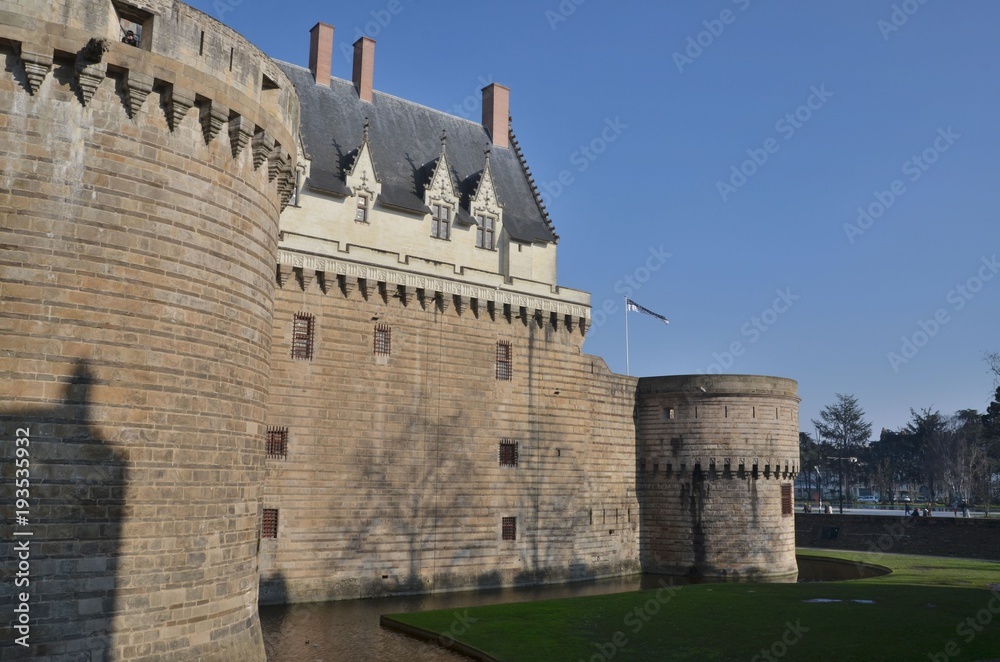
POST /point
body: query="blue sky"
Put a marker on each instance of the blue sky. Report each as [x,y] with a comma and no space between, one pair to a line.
[714,157]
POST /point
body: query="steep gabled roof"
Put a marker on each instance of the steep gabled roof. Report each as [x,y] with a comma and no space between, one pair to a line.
[404,138]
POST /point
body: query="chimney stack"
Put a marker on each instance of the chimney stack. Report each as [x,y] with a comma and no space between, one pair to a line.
[364,67]
[496,113]
[321,52]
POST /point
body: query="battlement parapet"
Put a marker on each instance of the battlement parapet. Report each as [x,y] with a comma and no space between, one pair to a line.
[498,302]
[190,59]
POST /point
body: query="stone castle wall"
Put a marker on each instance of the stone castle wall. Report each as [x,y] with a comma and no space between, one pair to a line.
[392,481]
[140,189]
[714,452]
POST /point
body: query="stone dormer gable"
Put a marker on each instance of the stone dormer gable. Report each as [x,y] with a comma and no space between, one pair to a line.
[484,194]
[441,185]
[482,207]
[362,177]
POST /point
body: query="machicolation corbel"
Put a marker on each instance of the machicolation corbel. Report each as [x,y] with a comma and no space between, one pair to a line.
[36,66]
[90,68]
[262,145]
[284,274]
[137,87]
[212,115]
[240,132]
[177,102]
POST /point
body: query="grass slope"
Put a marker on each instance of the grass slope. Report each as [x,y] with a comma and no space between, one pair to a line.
[930,608]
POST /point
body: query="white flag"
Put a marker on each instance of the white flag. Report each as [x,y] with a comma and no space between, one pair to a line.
[633,306]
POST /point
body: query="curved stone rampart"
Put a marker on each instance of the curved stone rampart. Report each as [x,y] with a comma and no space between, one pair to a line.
[715,453]
[139,199]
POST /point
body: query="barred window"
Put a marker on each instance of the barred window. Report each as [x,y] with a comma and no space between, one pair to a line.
[361,214]
[508,453]
[486,232]
[440,221]
[277,443]
[383,340]
[786,500]
[303,331]
[508,528]
[269,523]
[505,370]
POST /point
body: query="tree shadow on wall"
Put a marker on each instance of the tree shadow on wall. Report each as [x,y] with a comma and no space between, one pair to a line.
[75,503]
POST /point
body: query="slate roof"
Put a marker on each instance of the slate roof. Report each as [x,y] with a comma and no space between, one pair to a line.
[405,140]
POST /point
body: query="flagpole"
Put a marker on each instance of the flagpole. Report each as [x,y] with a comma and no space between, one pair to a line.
[627,372]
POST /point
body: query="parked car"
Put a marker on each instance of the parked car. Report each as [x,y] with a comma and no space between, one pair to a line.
[905,499]
[867,499]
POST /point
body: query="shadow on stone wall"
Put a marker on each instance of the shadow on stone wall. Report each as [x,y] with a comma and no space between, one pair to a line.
[75,503]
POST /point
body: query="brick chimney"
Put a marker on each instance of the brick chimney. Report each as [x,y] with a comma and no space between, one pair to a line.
[364,67]
[496,113]
[321,52]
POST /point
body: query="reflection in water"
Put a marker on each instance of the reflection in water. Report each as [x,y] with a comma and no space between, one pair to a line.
[348,630]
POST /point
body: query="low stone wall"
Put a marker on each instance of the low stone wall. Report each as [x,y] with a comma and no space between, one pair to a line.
[935,536]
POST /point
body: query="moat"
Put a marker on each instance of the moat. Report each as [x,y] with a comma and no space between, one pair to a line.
[349,630]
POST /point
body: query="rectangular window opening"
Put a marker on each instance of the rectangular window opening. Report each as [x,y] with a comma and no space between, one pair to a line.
[508,528]
[277,443]
[485,232]
[269,523]
[440,221]
[361,213]
[383,340]
[786,500]
[135,26]
[505,368]
[508,453]
[303,334]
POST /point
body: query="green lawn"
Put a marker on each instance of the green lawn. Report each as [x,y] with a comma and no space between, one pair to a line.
[930,608]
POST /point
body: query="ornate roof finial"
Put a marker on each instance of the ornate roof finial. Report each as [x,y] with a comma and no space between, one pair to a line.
[444,139]
[366,129]
[487,154]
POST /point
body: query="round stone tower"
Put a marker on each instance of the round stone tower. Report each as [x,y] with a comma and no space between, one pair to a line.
[140,188]
[717,456]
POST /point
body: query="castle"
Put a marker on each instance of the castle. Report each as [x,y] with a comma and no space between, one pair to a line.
[273,336]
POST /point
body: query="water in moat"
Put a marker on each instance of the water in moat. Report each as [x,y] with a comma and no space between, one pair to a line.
[349,630]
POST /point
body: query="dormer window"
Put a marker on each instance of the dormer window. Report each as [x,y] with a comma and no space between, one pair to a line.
[486,232]
[440,221]
[361,214]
